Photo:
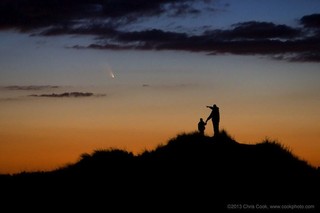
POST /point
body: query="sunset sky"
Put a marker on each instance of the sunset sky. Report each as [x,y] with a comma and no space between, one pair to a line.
[82,75]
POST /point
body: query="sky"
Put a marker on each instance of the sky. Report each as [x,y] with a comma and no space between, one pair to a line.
[82,75]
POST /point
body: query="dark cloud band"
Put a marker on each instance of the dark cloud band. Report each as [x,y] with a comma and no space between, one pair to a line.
[32,14]
[288,43]
[103,18]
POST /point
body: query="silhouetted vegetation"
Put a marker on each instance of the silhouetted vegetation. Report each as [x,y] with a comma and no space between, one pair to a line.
[189,171]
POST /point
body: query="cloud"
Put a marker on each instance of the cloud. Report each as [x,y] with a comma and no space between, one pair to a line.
[262,38]
[96,29]
[182,9]
[169,86]
[256,30]
[28,15]
[305,57]
[69,95]
[31,87]
[47,95]
[31,14]
[311,21]
[104,18]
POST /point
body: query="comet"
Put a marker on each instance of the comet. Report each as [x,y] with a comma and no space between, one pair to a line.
[111,74]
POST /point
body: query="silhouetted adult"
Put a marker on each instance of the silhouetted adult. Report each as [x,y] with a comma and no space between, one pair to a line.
[215,117]
[201,126]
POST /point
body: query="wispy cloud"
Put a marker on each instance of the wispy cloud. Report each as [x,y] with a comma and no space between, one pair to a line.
[30,87]
[49,89]
[69,95]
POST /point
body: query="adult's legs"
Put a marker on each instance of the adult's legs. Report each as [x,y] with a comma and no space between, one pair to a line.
[215,128]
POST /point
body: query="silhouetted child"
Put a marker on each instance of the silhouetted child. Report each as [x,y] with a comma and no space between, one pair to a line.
[201,126]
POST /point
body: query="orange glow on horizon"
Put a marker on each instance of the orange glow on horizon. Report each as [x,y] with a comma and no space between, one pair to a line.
[50,148]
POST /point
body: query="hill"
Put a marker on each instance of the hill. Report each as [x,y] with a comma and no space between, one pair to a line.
[191,171]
